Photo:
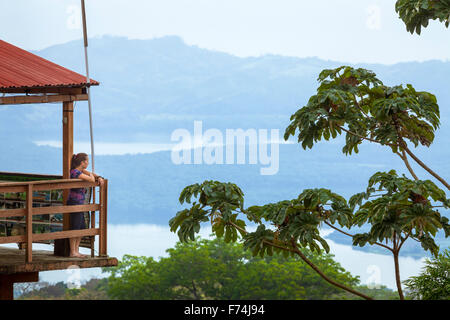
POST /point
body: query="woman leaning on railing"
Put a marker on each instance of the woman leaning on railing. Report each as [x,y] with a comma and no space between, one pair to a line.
[76,196]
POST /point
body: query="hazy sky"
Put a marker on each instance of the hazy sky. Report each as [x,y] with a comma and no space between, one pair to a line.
[344,30]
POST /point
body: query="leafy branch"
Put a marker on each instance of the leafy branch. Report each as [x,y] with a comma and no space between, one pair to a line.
[417,13]
[397,209]
[389,116]
[403,211]
[296,221]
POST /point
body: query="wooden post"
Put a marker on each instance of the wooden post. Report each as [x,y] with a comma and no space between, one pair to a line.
[93,224]
[67,119]
[102,219]
[6,289]
[7,283]
[105,218]
[29,221]
[67,151]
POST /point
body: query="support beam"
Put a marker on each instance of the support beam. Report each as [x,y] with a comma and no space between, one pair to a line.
[29,220]
[67,150]
[103,219]
[67,118]
[6,290]
[42,99]
[42,90]
[7,283]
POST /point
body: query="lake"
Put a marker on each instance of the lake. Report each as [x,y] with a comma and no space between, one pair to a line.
[123,148]
[153,240]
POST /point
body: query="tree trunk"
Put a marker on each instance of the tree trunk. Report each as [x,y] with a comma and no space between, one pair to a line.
[423,165]
[397,276]
[315,268]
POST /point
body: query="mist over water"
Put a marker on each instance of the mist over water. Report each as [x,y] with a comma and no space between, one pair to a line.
[132,148]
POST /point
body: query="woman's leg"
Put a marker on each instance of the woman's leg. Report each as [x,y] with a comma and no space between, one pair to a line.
[77,223]
[78,247]
[73,247]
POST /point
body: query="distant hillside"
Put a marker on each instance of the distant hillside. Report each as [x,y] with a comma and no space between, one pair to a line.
[151,87]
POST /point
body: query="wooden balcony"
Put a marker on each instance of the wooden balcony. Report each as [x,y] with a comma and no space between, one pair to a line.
[12,262]
[27,239]
[48,83]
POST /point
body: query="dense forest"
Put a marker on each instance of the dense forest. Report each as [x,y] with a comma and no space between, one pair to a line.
[210,270]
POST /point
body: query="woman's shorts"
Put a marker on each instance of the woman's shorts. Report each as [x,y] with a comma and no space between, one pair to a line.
[76,218]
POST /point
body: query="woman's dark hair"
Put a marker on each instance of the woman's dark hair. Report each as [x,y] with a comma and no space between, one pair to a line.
[77,159]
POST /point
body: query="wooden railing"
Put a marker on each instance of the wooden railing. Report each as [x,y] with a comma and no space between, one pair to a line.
[29,211]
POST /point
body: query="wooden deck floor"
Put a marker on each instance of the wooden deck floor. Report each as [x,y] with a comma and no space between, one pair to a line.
[13,261]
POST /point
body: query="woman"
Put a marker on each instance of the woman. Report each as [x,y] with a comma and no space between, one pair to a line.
[78,170]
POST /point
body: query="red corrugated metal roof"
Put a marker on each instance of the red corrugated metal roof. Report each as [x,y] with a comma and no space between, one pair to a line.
[22,69]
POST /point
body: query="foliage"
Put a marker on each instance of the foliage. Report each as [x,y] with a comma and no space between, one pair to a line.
[135,277]
[295,220]
[91,290]
[214,269]
[417,13]
[25,288]
[355,101]
[379,292]
[404,209]
[434,281]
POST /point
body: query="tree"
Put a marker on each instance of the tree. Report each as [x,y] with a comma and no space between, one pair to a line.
[402,210]
[213,269]
[356,102]
[279,278]
[23,289]
[434,281]
[192,272]
[417,13]
[135,278]
[297,222]
[90,290]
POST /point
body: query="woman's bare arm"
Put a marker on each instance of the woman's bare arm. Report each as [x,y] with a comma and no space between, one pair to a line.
[89,173]
[88,177]
[96,176]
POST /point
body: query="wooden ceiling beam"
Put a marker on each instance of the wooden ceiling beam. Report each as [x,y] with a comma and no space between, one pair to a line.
[42,99]
[64,90]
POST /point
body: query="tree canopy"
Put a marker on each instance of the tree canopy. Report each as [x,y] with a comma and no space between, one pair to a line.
[214,269]
[354,102]
[357,103]
[434,281]
[417,13]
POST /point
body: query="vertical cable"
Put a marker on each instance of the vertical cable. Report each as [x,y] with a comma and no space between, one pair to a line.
[88,80]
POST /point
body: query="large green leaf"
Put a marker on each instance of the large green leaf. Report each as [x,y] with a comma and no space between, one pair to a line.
[417,13]
[356,102]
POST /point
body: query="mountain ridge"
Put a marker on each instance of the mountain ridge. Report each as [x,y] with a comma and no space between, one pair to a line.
[151,87]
